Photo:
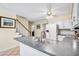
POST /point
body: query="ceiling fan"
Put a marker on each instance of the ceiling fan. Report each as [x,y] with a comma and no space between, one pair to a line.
[48,12]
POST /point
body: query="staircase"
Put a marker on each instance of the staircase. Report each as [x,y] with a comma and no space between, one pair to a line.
[22,30]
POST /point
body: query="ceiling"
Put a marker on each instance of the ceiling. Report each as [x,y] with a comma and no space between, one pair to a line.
[36,11]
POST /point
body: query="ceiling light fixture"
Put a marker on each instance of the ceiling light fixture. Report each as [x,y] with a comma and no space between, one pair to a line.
[49,13]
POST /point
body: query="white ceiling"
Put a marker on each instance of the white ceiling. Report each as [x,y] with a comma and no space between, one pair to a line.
[36,11]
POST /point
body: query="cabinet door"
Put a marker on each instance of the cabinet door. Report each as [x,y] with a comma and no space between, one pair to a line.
[26,50]
[74,21]
[74,15]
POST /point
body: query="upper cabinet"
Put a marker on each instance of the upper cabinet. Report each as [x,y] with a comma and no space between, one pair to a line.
[75,15]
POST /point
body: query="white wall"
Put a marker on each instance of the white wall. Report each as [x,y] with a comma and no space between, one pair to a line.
[64,32]
[65,24]
[7,39]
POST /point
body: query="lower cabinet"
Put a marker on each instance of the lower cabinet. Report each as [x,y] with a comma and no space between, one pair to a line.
[26,50]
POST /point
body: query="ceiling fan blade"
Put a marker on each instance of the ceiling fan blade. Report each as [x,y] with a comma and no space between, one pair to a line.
[49,6]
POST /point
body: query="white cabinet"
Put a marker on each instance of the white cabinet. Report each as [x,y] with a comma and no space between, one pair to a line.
[75,15]
[26,50]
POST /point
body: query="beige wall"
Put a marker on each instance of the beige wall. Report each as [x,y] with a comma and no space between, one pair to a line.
[6,34]
[6,13]
[7,38]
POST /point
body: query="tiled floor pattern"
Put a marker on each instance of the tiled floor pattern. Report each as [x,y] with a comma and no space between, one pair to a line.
[11,52]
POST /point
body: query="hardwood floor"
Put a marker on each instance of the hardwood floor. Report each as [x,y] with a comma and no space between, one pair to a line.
[11,52]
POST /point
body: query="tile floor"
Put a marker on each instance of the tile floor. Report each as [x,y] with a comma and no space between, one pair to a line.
[11,52]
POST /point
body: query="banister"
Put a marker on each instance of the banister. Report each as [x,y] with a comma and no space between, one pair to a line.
[23,26]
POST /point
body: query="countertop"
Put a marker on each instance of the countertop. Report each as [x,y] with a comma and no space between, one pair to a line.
[63,48]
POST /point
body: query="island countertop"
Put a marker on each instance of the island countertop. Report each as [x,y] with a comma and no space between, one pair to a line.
[64,48]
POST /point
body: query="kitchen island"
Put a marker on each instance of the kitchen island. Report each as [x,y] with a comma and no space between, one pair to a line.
[67,47]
